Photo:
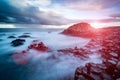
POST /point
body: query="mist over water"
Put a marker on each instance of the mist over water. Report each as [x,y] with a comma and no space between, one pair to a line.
[42,65]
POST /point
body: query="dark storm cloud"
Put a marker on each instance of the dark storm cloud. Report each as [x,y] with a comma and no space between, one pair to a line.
[9,13]
[6,11]
[25,12]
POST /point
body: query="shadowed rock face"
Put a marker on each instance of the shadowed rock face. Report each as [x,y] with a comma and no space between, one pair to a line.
[17,42]
[80,29]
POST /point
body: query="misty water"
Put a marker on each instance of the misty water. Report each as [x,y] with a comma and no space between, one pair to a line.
[51,65]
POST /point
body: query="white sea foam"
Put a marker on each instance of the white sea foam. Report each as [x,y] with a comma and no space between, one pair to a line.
[51,65]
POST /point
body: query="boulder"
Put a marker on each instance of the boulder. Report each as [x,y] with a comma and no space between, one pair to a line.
[17,42]
[24,36]
[21,58]
[81,29]
[11,37]
[92,71]
[27,33]
[37,45]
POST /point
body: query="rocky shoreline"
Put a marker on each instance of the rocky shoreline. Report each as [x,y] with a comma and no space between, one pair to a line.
[110,52]
[105,42]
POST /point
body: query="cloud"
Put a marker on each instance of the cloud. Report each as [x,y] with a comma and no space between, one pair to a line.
[115,15]
[29,12]
[91,4]
[109,20]
[57,12]
[27,3]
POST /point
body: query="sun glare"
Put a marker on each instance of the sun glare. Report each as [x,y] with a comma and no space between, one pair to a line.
[96,25]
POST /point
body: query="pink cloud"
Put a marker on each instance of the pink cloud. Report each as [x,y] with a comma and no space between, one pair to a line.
[115,15]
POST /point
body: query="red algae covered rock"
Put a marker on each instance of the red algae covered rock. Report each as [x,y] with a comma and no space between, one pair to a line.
[109,69]
[37,45]
[81,29]
[78,52]
[21,58]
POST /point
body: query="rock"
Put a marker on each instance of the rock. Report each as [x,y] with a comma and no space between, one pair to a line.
[0,39]
[109,69]
[17,42]
[21,58]
[81,29]
[118,79]
[78,52]
[92,71]
[27,33]
[37,45]
[118,65]
[24,36]
[11,37]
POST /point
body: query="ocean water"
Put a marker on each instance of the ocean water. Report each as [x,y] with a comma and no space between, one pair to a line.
[41,65]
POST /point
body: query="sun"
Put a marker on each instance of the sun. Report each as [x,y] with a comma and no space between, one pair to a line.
[96,25]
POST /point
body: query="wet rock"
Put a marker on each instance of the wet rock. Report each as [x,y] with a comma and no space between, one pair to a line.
[11,37]
[24,36]
[17,42]
[118,79]
[118,65]
[37,45]
[78,52]
[92,71]
[21,58]
[81,29]
[27,33]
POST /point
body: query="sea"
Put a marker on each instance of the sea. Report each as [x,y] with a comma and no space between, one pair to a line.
[52,65]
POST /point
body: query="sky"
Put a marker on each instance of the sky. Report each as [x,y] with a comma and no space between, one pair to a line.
[60,12]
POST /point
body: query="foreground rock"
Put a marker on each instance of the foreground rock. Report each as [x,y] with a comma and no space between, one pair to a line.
[37,45]
[109,69]
[93,71]
[80,29]
[17,42]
